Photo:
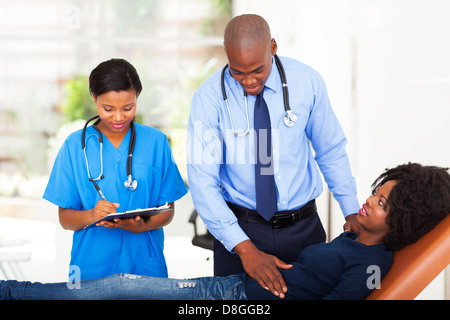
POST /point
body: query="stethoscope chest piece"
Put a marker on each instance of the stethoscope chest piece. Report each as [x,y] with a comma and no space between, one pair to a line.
[130,183]
[290,118]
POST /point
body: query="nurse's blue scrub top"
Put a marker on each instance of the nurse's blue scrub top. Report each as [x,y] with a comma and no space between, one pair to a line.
[100,251]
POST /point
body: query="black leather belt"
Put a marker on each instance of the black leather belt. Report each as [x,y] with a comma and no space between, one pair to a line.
[280,219]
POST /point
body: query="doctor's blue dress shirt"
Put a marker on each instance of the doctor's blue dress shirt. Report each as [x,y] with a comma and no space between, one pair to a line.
[221,165]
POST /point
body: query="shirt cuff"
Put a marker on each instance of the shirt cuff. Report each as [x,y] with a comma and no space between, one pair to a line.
[349,205]
[232,236]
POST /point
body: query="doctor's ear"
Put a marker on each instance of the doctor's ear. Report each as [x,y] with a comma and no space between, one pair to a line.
[274,46]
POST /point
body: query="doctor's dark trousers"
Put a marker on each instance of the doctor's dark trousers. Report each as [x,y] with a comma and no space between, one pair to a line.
[284,243]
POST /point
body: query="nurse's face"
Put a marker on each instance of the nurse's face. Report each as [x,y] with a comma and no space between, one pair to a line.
[251,67]
[116,110]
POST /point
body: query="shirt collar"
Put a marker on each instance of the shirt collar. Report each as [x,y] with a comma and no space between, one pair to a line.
[274,80]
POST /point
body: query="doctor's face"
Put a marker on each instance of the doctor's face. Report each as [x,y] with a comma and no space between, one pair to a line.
[251,66]
[116,110]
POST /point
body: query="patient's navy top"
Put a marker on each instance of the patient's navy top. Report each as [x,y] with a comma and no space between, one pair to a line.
[342,269]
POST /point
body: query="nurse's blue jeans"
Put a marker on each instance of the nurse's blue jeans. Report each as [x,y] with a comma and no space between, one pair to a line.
[122,286]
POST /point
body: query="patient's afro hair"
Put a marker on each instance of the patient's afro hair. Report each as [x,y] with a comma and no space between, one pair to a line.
[417,203]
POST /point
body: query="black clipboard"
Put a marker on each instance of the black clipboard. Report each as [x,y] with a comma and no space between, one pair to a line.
[147,212]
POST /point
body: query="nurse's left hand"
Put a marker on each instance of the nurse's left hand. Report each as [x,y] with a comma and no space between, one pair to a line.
[136,224]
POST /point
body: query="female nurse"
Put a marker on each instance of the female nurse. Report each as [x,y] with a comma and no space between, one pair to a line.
[132,245]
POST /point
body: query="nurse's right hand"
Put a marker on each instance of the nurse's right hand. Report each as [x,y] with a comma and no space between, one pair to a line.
[71,219]
[103,208]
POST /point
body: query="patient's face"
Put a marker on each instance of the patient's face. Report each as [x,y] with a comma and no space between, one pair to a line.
[372,215]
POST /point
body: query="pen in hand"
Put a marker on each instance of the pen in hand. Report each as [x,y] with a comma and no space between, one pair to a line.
[98,189]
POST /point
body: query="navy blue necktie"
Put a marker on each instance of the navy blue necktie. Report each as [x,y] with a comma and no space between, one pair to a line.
[266,195]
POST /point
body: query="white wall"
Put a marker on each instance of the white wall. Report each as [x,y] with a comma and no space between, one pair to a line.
[388,75]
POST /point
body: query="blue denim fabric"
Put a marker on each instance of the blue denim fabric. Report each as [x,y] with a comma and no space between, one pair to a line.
[128,287]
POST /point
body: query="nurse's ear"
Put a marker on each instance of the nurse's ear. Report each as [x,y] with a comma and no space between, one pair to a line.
[93,96]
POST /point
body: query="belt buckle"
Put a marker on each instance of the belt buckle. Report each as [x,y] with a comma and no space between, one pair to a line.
[283,220]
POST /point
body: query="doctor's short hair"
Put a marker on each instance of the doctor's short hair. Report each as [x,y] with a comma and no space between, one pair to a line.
[114,75]
[417,202]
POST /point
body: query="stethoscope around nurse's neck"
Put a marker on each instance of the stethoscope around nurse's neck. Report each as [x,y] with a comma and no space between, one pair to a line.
[130,183]
[289,119]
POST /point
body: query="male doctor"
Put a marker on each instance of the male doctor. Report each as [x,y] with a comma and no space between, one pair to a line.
[253,178]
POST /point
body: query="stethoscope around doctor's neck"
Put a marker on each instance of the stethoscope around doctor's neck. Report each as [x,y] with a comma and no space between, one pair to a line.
[289,119]
[130,183]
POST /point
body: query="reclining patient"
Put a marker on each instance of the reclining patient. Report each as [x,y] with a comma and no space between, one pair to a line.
[406,203]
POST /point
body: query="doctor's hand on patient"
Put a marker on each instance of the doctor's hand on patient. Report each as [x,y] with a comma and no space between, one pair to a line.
[262,268]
